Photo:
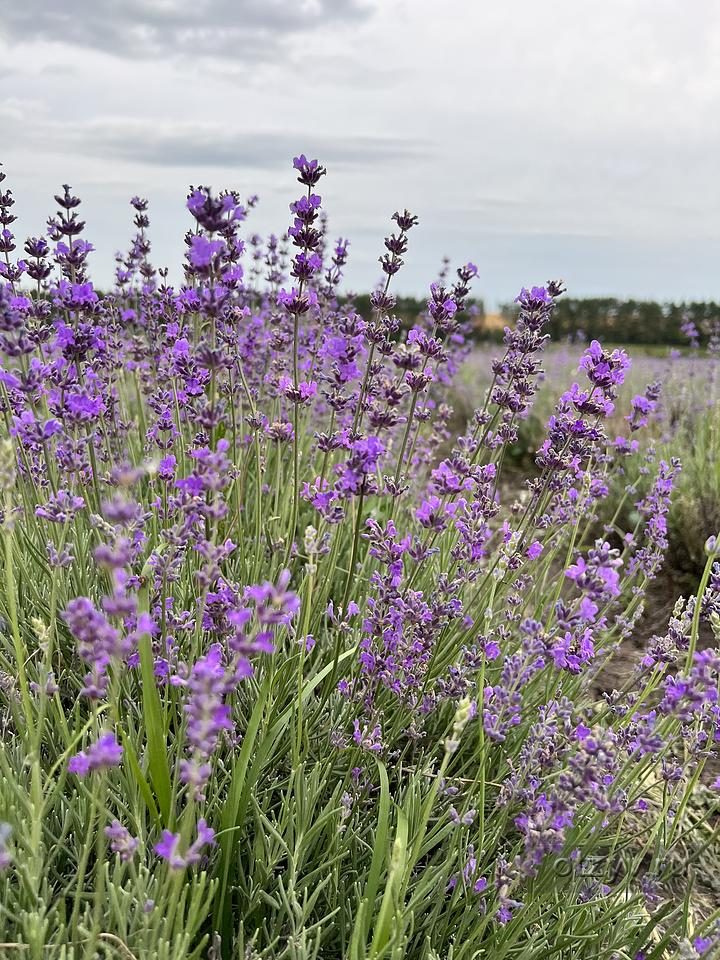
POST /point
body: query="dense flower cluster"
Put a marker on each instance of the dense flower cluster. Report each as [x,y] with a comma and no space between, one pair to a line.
[276,615]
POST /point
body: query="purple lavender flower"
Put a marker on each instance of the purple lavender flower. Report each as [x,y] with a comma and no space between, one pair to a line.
[98,642]
[643,405]
[368,737]
[274,604]
[60,507]
[534,550]
[208,716]
[654,508]
[309,171]
[169,847]
[104,753]
[5,855]
[203,252]
[503,700]
[121,841]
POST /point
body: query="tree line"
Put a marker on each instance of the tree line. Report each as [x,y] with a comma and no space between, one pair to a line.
[631,321]
[608,319]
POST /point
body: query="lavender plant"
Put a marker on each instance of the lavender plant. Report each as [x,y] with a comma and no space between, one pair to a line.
[284,673]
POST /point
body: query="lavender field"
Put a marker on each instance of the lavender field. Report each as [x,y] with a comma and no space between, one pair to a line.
[328,636]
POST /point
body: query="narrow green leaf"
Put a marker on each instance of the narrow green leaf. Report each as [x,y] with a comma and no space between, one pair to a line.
[229,818]
[144,786]
[154,730]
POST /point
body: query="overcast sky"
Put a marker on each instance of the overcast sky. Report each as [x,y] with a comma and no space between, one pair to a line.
[538,138]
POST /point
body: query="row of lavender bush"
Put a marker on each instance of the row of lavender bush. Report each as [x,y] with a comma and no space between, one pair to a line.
[283,674]
[686,424]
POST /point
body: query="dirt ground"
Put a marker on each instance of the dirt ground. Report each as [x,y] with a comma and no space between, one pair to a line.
[663,593]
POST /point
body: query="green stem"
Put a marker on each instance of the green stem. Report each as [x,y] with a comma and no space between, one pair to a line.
[695,628]
[11,600]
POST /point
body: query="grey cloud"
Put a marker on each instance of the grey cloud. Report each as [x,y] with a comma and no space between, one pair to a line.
[214,145]
[142,29]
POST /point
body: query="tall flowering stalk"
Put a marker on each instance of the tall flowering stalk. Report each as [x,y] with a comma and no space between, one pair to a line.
[307,262]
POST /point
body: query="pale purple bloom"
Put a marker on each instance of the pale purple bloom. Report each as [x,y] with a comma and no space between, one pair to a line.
[5,855]
[121,841]
[169,847]
[534,550]
[104,753]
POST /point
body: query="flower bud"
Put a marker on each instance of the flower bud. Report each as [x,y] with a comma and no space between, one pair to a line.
[466,710]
